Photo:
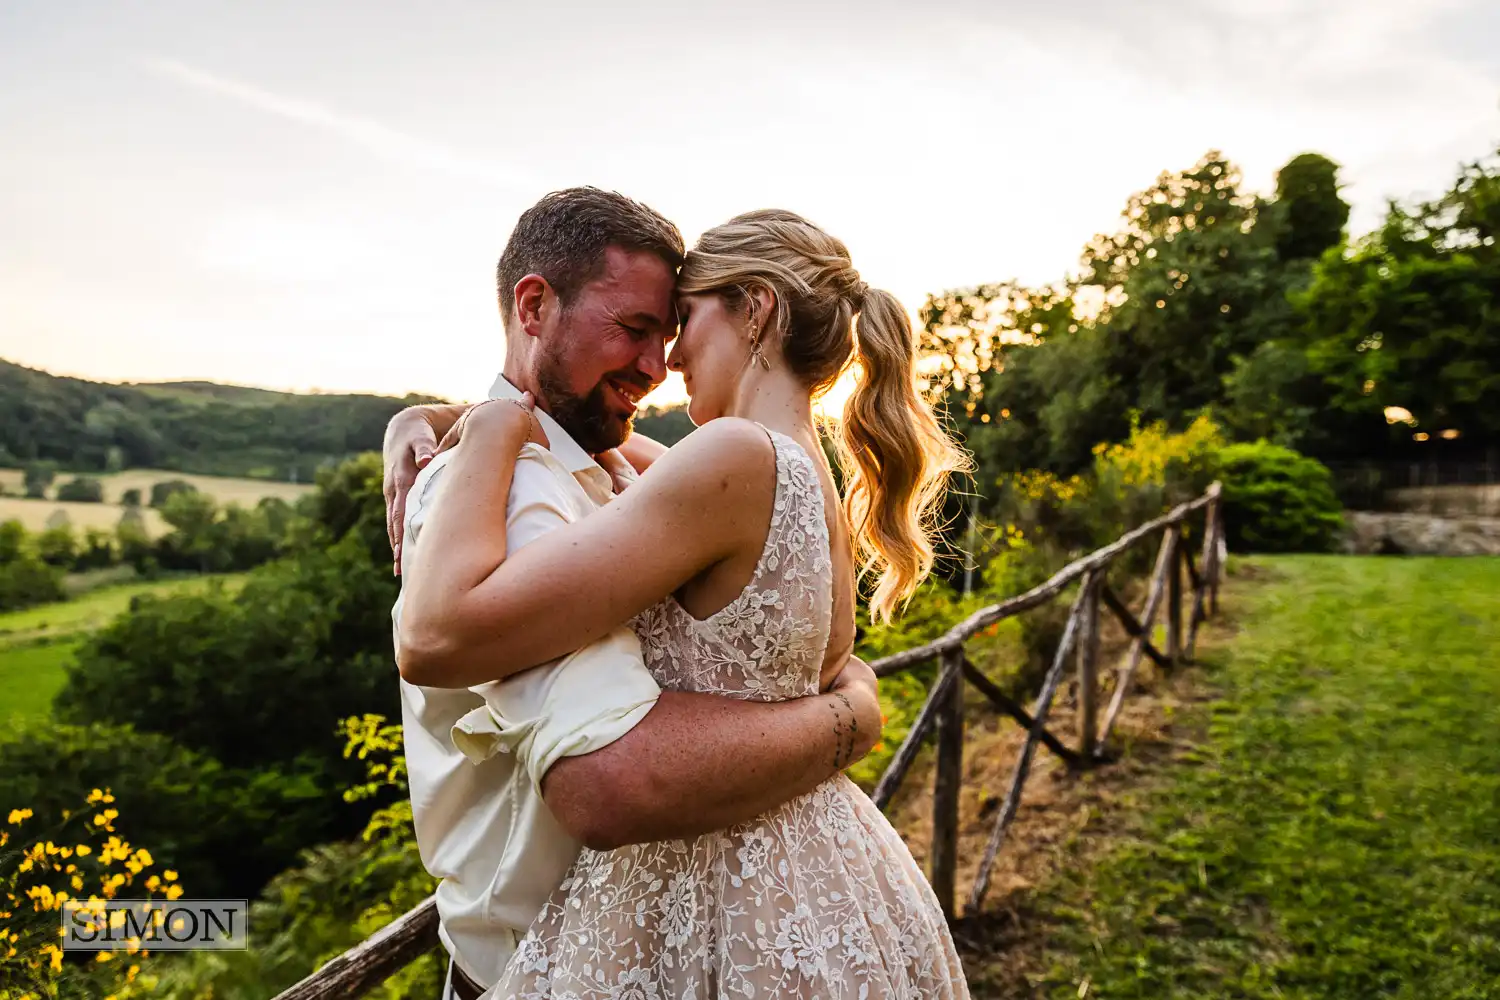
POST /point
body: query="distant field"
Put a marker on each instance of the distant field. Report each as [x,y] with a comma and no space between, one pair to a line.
[36,644]
[35,513]
[222,488]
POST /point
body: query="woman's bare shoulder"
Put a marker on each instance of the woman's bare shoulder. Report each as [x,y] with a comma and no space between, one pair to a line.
[728,446]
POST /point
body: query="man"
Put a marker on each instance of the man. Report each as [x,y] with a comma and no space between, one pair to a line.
[598,754]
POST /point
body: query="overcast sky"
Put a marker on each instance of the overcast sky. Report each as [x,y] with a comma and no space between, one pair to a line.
[312,195]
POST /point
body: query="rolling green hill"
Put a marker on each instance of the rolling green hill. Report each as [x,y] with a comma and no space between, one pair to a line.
[202,427]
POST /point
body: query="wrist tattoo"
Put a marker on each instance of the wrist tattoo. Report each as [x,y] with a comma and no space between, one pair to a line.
[843,733]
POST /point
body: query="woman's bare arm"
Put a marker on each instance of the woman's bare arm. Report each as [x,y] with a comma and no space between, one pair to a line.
[472,616]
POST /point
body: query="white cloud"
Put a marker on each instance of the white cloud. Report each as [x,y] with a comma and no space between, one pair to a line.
[381,139]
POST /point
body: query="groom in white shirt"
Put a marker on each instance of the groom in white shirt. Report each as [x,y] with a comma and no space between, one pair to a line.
[508,779]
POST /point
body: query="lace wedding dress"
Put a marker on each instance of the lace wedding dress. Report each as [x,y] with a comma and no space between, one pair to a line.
[817,898]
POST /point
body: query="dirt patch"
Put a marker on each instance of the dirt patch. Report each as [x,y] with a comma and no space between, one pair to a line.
[1067,816]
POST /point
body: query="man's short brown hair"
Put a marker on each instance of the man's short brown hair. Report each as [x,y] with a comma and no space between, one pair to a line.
[563,238]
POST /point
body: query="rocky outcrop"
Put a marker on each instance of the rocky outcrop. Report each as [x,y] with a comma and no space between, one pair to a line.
[1447,501]
[1367,533]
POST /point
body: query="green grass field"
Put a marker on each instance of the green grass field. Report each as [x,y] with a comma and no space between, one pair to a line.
[1337,834]
[37,644]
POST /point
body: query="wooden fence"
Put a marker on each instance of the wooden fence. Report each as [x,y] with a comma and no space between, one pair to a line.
[359,970]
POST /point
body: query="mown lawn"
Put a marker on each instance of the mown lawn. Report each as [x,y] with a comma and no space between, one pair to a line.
[1338,833]
[36,644]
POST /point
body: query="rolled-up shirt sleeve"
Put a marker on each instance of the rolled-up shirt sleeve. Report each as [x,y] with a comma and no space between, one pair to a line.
[570,706]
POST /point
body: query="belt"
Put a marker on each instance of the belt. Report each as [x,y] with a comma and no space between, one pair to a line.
[460,986]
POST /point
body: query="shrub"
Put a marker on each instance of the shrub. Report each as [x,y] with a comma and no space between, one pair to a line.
[261,676]
[12,540]
[81,489]
[336,897]
[68,854]
[97,551]
[58,546]
[162,492]
[227,831]
[130,498]
[39,476]
[26,580]
[1277,500]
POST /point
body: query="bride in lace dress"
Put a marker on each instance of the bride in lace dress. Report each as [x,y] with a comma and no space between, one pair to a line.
[734,560]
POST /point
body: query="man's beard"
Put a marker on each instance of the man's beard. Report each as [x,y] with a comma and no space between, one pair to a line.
[589,420]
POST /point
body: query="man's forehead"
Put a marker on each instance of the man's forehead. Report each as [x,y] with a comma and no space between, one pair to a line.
[638,271]
[637,281]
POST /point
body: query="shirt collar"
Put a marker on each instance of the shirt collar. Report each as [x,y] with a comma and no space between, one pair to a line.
[563,447]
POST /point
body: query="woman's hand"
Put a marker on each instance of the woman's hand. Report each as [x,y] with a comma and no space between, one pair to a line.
[411,439]
[506,424]
[857,689]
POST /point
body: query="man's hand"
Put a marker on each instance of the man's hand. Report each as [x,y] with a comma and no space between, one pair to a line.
[857,686]
[411,439]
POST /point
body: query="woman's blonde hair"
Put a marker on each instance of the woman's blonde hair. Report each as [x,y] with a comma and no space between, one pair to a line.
[895,455]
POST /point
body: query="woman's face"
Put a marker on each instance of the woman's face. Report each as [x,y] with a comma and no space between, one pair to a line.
[710,352]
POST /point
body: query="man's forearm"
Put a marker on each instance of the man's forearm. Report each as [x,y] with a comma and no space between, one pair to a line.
[701,762]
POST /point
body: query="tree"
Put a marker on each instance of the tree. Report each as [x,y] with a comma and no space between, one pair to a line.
[1309,213]
[12,541]
[24,579]
[39,476]
[97,551]
[1404,330]
[136,549]
[162,492]
[227,830]
[263,675]
[195,541]
[130,498]
[58,546]
[81,489]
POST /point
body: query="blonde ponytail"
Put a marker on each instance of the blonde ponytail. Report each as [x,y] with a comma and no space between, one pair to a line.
[896,457]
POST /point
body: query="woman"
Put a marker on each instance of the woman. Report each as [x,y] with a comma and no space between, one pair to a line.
[735,561]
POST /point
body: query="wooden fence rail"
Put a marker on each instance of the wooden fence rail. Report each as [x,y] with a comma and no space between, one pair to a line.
[359,970]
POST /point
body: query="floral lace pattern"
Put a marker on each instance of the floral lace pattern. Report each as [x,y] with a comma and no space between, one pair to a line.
[817,898]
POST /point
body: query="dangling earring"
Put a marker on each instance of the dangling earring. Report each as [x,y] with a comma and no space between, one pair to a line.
[755,352]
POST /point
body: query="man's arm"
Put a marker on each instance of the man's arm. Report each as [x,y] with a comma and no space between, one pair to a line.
[700,762]
[640,451]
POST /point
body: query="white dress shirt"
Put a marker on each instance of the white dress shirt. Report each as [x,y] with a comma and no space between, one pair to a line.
[475,758]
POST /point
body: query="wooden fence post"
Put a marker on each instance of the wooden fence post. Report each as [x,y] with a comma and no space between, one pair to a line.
[1028,749]
[948,782]
[1174,598]
[1220,552]
[1165,559]
[1202,580]
[1088,670]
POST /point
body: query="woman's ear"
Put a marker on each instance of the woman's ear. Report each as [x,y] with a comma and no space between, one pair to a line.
[534,301]
[762,306]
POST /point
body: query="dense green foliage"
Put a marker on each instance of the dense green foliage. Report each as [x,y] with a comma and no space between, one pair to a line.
[246,686]
[37,644]
[226,831]
[1335,836]
[667,424]
[189,426]
[25,577]
[262,675]
[81,489]
[1211,299]
[1276,500]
